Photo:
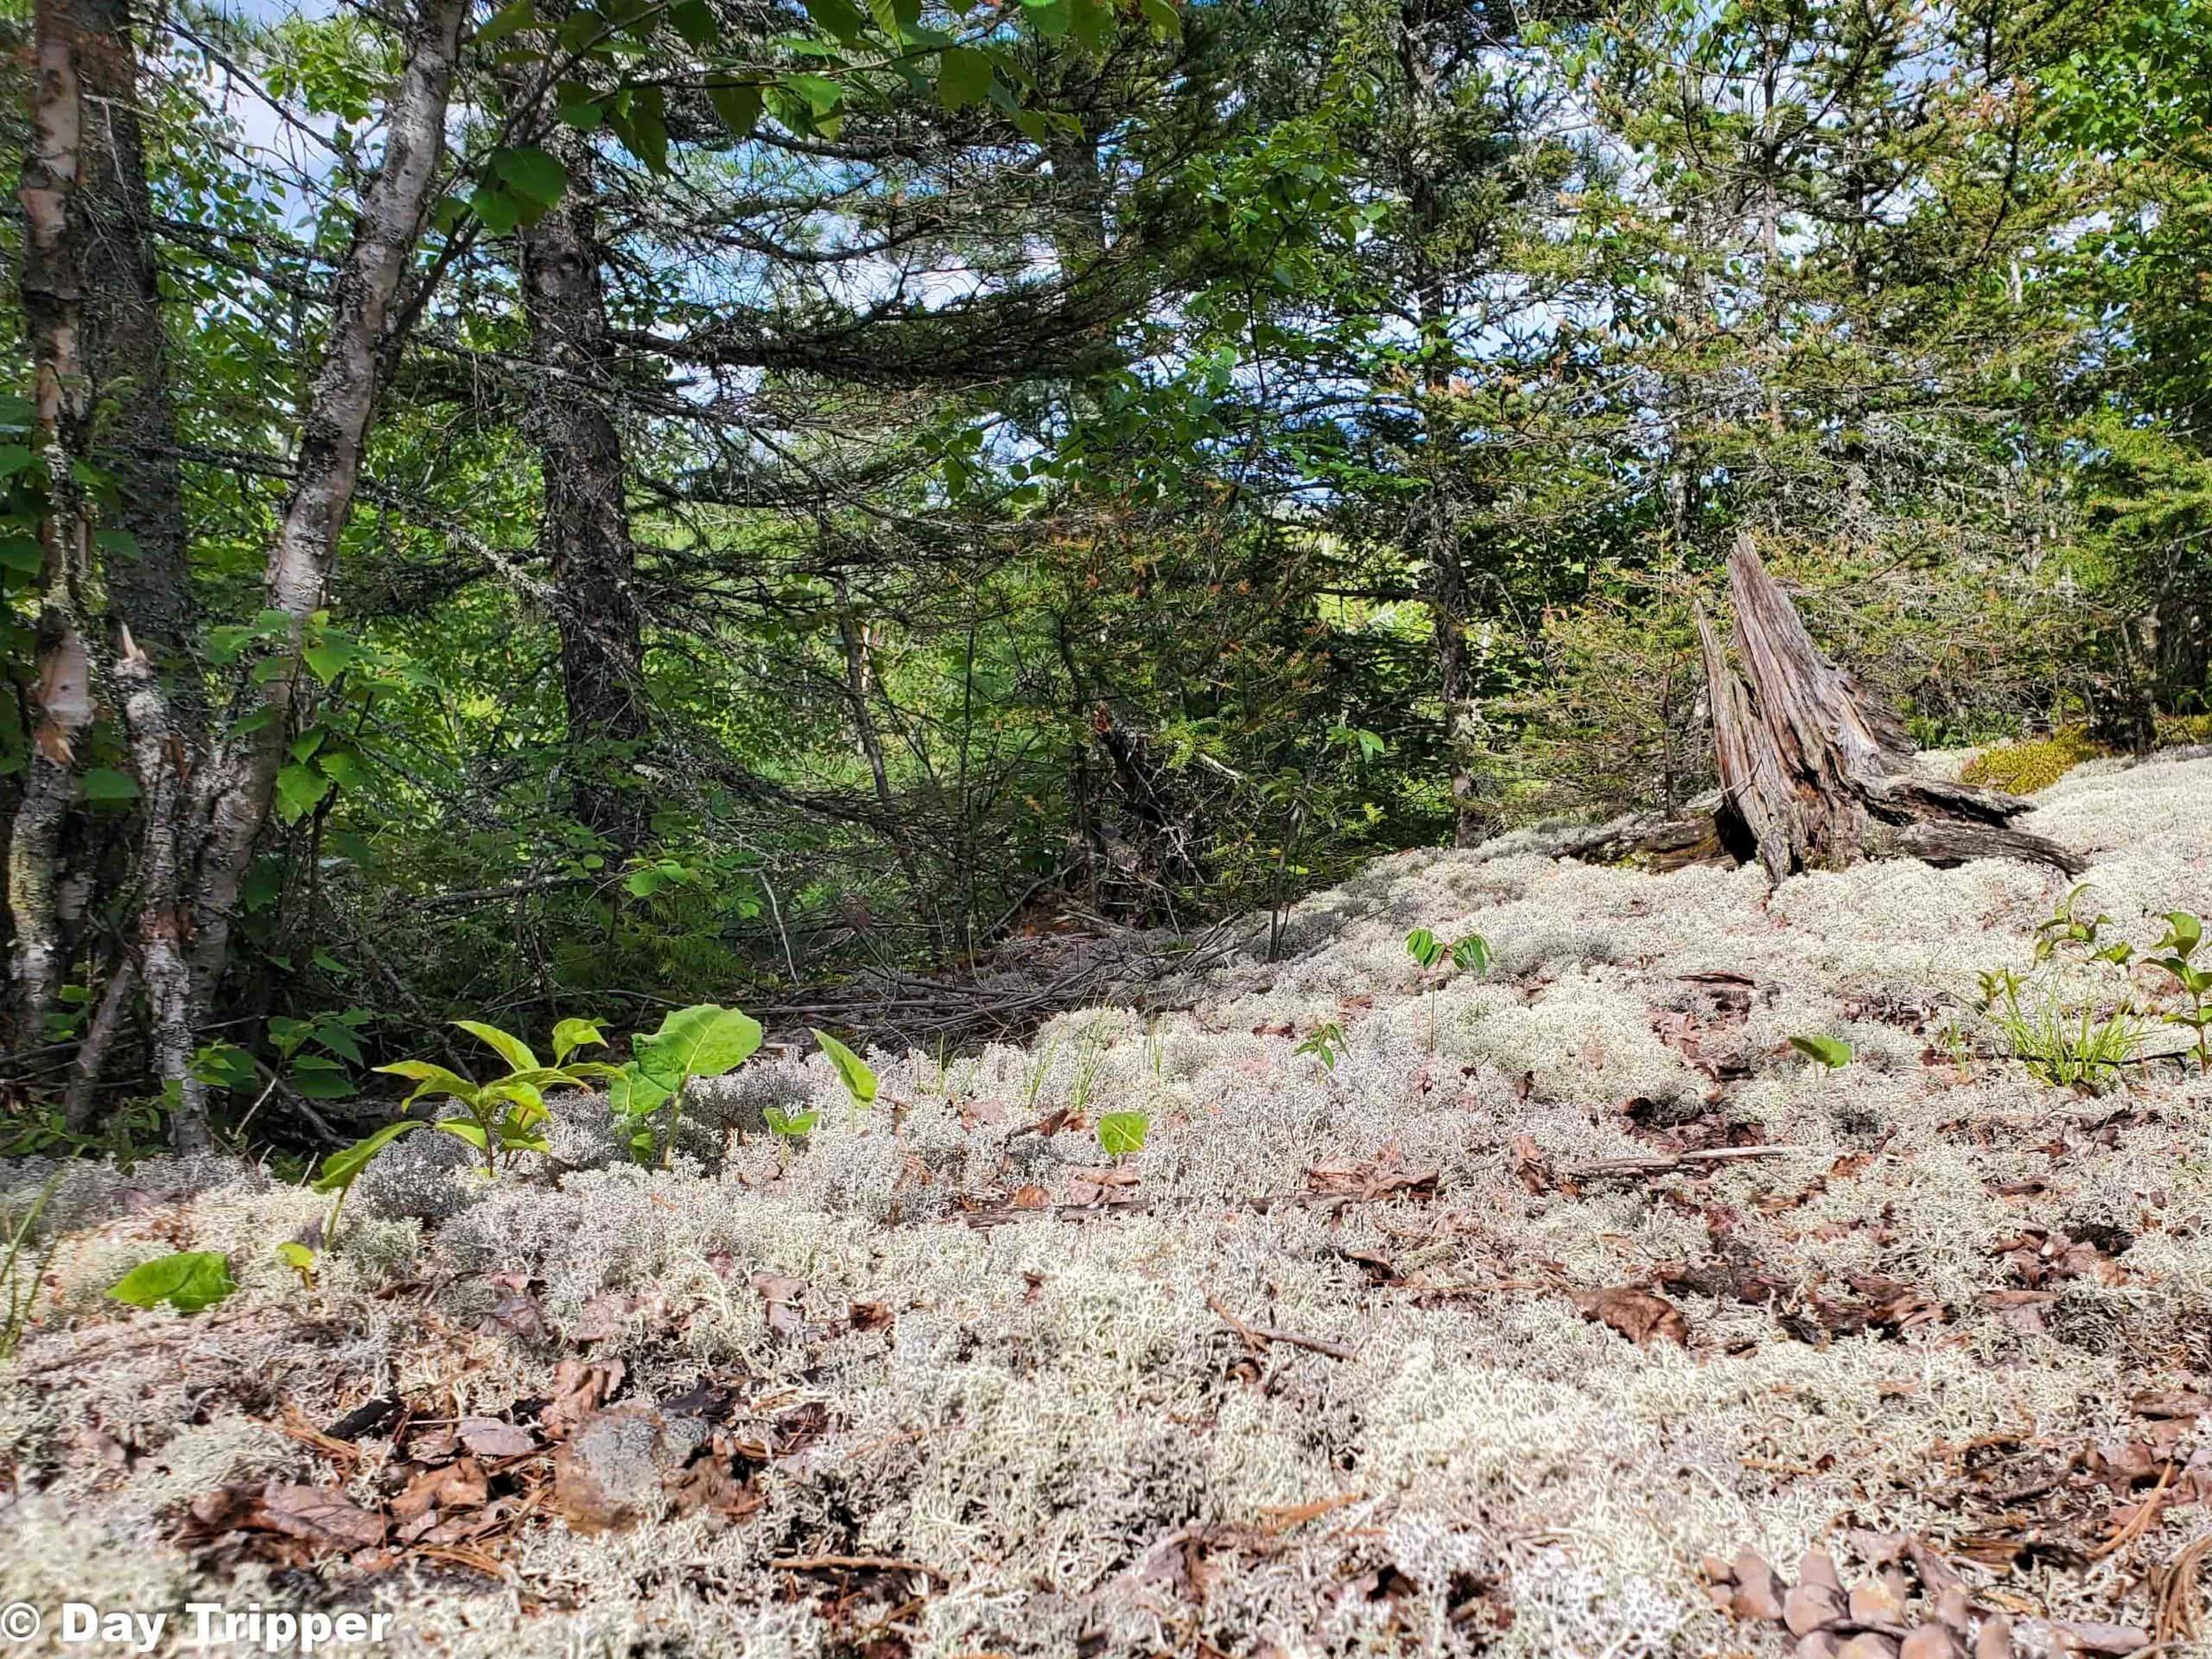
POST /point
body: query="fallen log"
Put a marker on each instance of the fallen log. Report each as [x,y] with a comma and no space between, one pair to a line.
[1815,774]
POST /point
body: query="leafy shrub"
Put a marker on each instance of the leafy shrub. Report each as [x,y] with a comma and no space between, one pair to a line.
[2024,768]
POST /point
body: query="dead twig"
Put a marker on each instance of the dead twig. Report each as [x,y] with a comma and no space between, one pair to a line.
[1253,1335]
[855,1563]
[1641,1168]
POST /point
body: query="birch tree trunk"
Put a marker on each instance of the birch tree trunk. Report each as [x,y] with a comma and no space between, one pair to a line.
[61,694]
[584,533]
[233,799]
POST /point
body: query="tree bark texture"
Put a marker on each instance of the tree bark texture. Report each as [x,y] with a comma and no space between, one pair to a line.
[1815,773]
[233,800]
[61,702]
[584,533]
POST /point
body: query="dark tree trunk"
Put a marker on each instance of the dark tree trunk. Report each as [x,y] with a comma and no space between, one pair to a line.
[1815,773]
[585,531]
[148,583]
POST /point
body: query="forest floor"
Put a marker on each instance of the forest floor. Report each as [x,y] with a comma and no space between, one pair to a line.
[1460,1344]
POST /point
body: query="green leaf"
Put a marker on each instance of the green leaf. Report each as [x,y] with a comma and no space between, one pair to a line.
[790,1125]
[329,658]
[2184,932]
[1472,953]
[14,457]
[1422,945]
[963,77]
[840,18]
[1166,22]
[499,211]
[532,174]
[433,1080]
[342,1168]
[1090,21]
[462,1128]
[853,1071]
[508,20]
[569,1035]
[22,555]
[298,1257]
[515,1051]
[703,1041]
[1830,1051]
[738,104]
[187,1282]
[298,789]
[106,784]
[695,20]
[1122,1132]
[631,1094]
[821,93]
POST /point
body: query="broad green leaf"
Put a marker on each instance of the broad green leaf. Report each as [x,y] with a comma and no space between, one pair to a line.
[703,1041]
[853,1071]
[1166,22]
[298,1257]
[738,104]
[790,1125]
[22,555]
[106,784]
[1122,1132]
[1472,953]
[462,1128]
[14,457]
[1830,1051]
[695,20]
[187,1282]
[515,1051]
[328,659]
[1090,21]
[532,174]
[964,79]
[341,1169]
[1422,945]
[433,1080]
[508,20]
[569,1035]
[499,211]
[631,1094]
[2184,932]
[838,17]
[298,790]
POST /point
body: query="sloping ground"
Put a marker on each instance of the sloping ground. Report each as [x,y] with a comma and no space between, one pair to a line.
[1310,1374]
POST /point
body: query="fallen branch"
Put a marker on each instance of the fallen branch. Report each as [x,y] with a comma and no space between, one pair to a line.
[1639,1168]
[1256,1335]
[855,1563]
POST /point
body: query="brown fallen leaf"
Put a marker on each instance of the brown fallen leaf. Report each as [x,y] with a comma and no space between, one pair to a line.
[1639,1316]
[459,1486]
[579,1387]
[319,1515]
[781,1293]
[487,1437]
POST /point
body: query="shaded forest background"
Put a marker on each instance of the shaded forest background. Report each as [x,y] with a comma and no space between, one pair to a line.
[838,489]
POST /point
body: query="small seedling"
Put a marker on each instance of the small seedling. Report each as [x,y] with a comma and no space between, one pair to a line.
[1324,1045]
[1120,1133]
[2184,932]
[300,1258]
[1832,1052]
[704,1040]
[855,1073]
[187,1280]
[790,1126]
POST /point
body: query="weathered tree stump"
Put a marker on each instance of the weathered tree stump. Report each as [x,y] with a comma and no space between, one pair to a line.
[1815,773]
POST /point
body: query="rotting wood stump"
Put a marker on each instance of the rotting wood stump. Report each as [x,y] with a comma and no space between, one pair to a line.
[1815,773]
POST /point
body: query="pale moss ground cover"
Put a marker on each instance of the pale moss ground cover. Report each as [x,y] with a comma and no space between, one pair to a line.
[1055,1410]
